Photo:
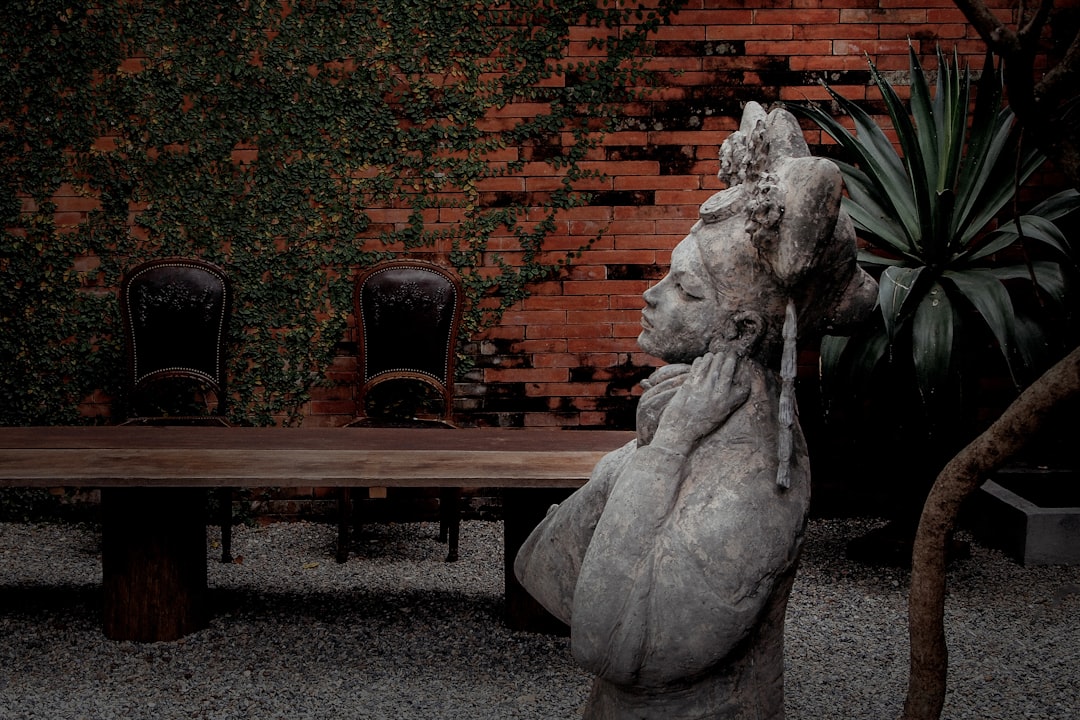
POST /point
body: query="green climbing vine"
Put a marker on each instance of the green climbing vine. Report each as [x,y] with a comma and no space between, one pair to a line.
[292,142]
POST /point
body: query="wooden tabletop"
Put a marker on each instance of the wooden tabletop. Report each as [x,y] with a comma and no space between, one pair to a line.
[282,457]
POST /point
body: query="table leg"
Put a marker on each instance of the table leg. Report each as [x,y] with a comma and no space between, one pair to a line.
[523,509]
[153,558]
[345,523]
[450,520]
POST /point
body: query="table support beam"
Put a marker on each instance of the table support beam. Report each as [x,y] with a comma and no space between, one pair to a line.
[523,509]
[153,559]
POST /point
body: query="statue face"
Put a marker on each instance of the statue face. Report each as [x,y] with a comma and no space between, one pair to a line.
[681,311]
[724,305]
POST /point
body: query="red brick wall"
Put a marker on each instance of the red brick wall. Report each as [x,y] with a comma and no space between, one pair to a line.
[567,355]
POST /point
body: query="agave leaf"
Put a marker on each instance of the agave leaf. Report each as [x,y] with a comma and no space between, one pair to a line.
[1035,228]
[829,124]
[895,288]
[1031,341]
[953,94]
[989,297]
[829,355]
[821,118]
[850,362]
[866,257]
[872,189]
[877,156]
[1048,276]
[938,103]
[1001,188]
[920,187]
[875,231]
[932,343]
[872,213]
[987,101]
[941,248]
[978,171]
[922,109]
[1058,205]
[993,242]
[877,228]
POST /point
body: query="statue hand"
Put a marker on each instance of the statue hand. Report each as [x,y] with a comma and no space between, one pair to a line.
[707,398]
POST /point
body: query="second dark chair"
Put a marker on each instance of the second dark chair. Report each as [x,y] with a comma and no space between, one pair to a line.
[408,314]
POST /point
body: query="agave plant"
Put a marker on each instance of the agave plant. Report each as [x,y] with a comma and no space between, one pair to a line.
[927,215]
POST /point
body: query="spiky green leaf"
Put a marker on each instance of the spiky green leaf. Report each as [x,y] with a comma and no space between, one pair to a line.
[922,110]
[875,225]
[952,102]
[932,329]
[993,181]
[866,257]
[991,300]
[1058,205]
[895,288]
[1035,228]
[872,151]
[988,99]
[1046,274]
[848,364]
[918,183]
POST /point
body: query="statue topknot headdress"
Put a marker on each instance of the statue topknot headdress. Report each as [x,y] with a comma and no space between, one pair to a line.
[790,207]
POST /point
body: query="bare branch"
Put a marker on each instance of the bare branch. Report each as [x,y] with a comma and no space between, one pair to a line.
[1063,80]
[1029,32]
[998,36]
[964,473]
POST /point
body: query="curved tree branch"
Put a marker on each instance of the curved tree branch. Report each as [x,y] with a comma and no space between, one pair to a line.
[1062,80]
[1045,106]
[1046,109]
[1031,30]
[995,33]
[964,473]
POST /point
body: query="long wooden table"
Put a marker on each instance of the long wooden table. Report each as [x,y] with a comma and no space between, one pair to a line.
[153,500]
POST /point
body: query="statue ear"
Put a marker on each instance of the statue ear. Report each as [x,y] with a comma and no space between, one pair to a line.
[744,330]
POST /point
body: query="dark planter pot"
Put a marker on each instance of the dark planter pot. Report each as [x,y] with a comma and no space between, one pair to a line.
[1031,513]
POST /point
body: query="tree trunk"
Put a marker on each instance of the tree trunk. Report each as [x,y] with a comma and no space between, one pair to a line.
[963,475]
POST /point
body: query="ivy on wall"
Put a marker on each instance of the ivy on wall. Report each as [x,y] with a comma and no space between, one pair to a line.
[292,142]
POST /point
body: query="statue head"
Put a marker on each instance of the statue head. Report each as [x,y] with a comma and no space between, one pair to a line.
[772,259]
[775,243]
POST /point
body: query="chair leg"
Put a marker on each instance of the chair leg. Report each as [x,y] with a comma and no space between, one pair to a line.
[344,523]
[450,520]
[225,519]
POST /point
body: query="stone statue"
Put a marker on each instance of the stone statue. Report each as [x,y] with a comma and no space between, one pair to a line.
[673,564]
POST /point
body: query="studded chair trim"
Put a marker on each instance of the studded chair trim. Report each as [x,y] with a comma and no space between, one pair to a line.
[408,326]
[201,297]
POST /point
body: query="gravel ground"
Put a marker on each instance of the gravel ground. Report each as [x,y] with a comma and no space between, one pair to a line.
[397,633]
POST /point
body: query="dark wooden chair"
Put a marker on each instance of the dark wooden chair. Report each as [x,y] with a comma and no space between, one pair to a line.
[408,314]
[175,313]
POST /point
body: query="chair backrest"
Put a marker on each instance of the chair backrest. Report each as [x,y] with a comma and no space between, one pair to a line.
[176,313]
[408,313]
